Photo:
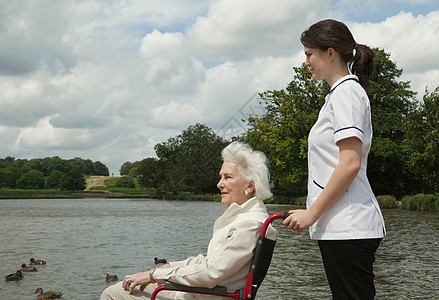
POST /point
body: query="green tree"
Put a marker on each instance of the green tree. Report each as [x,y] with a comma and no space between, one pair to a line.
[171,173]
[130,169]
[31,180]
[100,169]
[33,164]
[125,168]
[54,179]
[421,144]
[147,171]
[73,181]
[7,178]
[85,166]
[391,102]
[190,161]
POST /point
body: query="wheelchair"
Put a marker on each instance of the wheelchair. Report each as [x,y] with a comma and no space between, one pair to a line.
[258,269]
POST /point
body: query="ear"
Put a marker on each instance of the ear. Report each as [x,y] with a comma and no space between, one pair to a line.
[331,54]
[251,187]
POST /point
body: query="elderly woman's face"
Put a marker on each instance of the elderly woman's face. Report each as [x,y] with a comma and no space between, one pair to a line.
[232,185]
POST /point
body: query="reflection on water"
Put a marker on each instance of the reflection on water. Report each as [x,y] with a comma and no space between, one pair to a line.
[83,240]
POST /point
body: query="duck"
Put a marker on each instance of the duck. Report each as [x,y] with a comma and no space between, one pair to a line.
[14,276]
[34,261]
[47,295]
[111,278]
[25,268]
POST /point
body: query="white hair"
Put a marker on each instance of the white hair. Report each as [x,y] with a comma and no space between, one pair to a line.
[252,166]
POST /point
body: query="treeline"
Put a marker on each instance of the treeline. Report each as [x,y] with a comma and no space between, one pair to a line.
[49,172]
[403,159]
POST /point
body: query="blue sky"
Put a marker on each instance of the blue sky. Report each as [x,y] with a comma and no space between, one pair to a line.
[378,11]
[108,80]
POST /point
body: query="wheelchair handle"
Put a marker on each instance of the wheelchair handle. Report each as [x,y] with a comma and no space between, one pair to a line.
[270,219]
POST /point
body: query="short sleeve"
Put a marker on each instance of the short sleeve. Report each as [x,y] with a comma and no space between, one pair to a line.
[349,110]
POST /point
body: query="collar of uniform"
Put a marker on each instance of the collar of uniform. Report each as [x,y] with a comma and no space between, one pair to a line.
[343,79]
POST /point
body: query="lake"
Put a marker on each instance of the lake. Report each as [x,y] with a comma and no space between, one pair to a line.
[84,239]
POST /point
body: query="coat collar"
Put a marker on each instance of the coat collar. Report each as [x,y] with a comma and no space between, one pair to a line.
[252,208]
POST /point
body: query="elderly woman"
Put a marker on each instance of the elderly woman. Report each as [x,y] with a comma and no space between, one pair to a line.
[244,184]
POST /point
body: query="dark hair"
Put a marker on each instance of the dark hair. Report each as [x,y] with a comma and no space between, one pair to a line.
[334,34]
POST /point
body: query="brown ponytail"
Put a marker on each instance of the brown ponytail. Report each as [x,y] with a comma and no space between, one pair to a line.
[334,34]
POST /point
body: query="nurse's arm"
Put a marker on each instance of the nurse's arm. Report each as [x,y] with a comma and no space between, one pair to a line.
[340,180]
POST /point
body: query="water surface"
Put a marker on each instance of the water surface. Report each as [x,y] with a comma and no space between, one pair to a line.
[84,239]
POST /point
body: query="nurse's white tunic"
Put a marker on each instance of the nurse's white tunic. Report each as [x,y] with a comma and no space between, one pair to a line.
[356,215]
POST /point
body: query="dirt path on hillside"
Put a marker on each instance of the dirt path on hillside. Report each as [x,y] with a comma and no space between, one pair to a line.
[94,181]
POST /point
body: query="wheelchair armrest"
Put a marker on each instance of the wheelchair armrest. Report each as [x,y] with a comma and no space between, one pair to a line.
[221,290]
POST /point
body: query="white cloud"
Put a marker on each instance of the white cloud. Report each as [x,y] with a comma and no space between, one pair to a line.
[45,136]
[225,92]
[412,41]
[107,80]
[169,66]
[241,29]
[34,35]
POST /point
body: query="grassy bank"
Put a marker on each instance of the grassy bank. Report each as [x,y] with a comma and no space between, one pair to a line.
[45,194]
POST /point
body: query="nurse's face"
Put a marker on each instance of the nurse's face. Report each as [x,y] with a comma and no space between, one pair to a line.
[317,62]
[232,185]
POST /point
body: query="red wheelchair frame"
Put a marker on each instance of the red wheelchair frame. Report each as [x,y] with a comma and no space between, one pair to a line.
[258,269]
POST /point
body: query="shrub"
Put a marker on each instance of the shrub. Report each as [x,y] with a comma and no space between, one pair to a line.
[423,202]
[387,201]
[126,182]
[279,199]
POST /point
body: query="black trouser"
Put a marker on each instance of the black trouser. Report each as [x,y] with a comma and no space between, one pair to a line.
[349,267]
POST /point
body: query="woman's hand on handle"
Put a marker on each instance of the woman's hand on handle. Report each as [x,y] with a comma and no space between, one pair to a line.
[299,219]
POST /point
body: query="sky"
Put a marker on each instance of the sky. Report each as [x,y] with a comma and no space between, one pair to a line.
[108,80]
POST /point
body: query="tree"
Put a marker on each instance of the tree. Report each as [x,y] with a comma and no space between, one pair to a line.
[50,164]
[100,169]
[7,178]
[73,181]
[54,179]
[125,168]
[33,180]
[171,173]
[190,161]
[421,144]
[147,171]
[85,166]
[130,169]
[391,102]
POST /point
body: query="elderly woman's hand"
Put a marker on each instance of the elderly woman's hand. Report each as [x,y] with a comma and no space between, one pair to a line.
[131,281]
[141,278]
[299,219]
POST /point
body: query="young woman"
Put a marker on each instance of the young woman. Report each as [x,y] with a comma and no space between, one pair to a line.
[244,184]
[342,212]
